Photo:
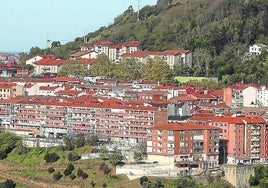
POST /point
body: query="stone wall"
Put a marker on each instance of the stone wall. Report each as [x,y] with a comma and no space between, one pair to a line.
[238,175]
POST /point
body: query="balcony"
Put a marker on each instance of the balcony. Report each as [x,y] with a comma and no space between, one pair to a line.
[255,138]
[255,151]
[255,157]
[255,133]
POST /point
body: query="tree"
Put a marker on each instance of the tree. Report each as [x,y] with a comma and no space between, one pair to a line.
[73,68]
[72,176]
[264,183]
[69,169]
[138,156]
[79,172]
[93,140]
[115,158]
[8,184]
[68,144]
[143,179]
[51,157]
[128,69]
[73,156]
[157,70]
[104,152]
[57,175]
[102,67]
[186,181]
[55,44]
[35,51]
[51,170]
[80,140]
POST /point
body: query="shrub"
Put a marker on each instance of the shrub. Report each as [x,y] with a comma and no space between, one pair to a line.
[67,172]
[72,176]
[8,184]
[92,183]
[3,154]
[69,169]
[84,175]
[51,157]
[143,179]
[57,176]
[102,165]
[51,170]
[72,156]
[79,172]
[106,170]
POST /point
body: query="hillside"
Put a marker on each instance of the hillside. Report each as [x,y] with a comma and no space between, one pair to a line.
[218,32]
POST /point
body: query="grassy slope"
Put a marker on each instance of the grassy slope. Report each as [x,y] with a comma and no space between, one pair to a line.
[31,166]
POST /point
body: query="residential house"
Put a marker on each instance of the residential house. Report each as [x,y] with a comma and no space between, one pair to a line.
[241,95]
[181,58]
[257,49]
[9,90]
[48,66]
[33,60]
[130,47]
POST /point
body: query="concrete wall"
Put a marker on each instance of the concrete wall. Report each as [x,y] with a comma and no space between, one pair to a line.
[238,175]
[169,160]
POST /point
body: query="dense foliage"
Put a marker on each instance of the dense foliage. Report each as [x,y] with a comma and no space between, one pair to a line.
[51,157]
[218,33]
[260,177]
[8,184]
[8,142]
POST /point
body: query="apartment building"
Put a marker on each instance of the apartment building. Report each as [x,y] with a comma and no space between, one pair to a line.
[247,138]
[188,146]
[54,117]
[102,47]
[243,138]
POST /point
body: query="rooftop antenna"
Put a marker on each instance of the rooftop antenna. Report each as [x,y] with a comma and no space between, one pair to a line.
[48,42]
[138,15]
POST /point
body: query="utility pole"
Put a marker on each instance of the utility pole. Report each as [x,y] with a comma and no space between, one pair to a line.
[85,37]
[48,42]
[138,14]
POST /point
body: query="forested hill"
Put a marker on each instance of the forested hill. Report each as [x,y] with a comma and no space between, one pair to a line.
[218,32]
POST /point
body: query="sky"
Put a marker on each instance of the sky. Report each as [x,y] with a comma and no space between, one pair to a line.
[29,23]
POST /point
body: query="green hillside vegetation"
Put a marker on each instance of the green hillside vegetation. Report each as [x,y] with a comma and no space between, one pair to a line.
[218,33]
[27,167]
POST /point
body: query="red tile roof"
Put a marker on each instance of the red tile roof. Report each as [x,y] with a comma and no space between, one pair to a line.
[6,85]
[48,88]
[203,96]
[80,53]
[115,46]
[68,92]
[50,62]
